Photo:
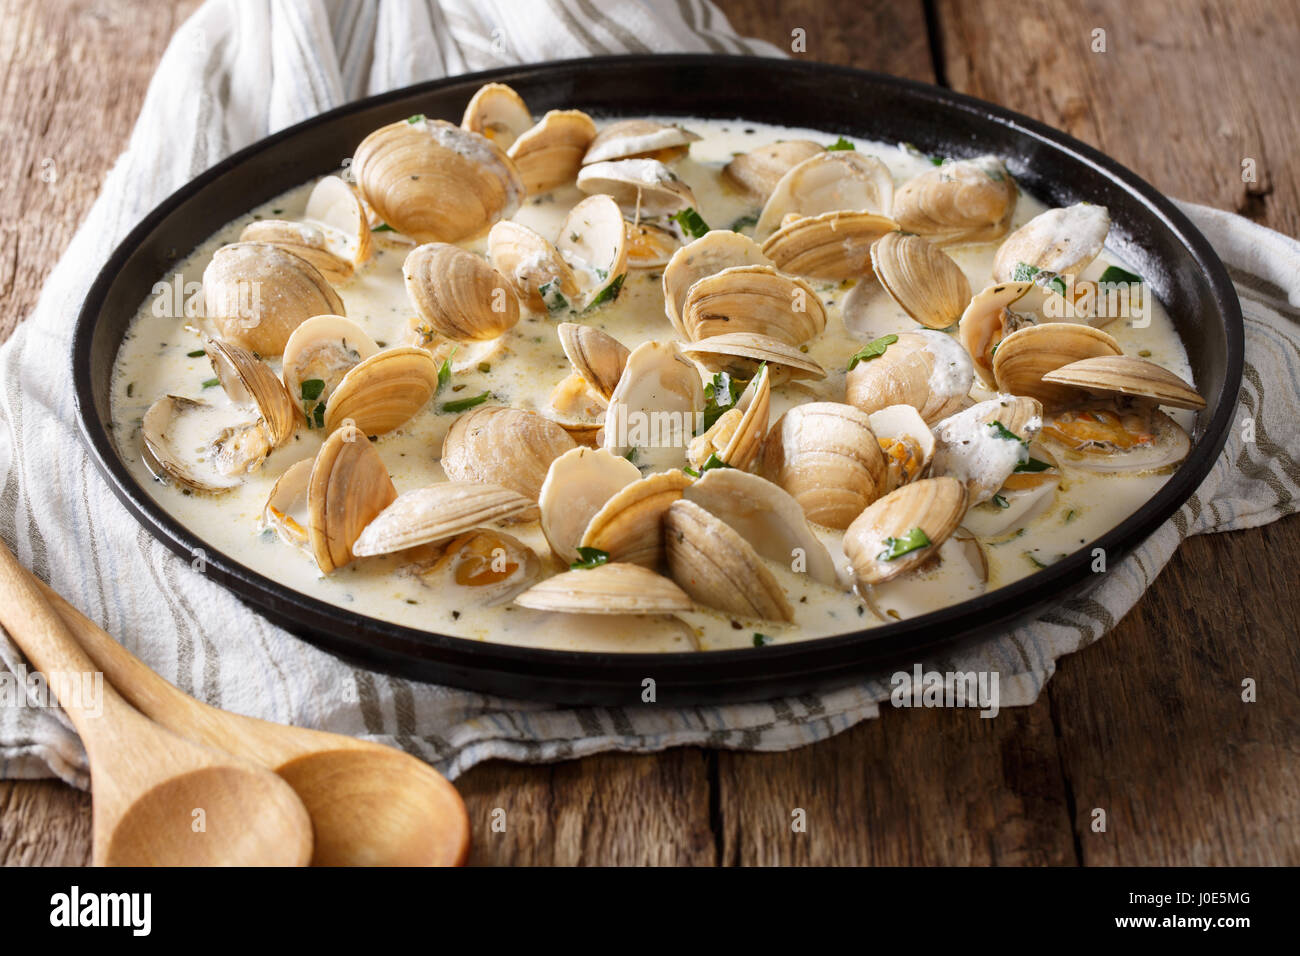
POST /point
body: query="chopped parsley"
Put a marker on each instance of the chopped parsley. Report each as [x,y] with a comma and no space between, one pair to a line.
[840,144]
[552,297]
[914,540]
[720,395]
[312,388]
[1003,432]
[871,350]
[589,558]
[383,227]
[761,640]
[444,372]
[692,222]
[195,354]
[713,461]
[607,294]
[1033,465]
[417,118]
[1034,561]
[631,455]
[212,383]
[461,404]
[314,410]
[1024,272]
[1114,275]
[1001,502]
[744,222]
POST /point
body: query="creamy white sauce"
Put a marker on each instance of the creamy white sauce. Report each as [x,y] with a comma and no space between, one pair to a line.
[521,369]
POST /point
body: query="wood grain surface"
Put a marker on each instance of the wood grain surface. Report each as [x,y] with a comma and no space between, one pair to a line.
[1148,725]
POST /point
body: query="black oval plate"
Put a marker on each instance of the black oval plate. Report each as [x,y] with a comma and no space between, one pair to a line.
[1148,231]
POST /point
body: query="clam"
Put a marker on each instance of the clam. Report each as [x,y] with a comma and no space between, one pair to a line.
[923,279]
[1029,353]
[593,242]
[737,436]
[641,187]
[766,516]
[649,246]
[486,566]
[843,180]
[925,369]
[286,510]
[903,529]
[833,245]
[596,356]
[988,319]
[740,354]
[629,526]
[639,139]
[578,483]
[256,294]
[758,171]
[497,112]
[549,154]
[1023,496]
[617,588]
[602,633]
[654,407]
[507,446]
[969,200]
[1063,241]
[1132,377]
[457,294]
[303,240]
[906,441]
[719,568]
[249,382]
[706,256]
[956,571]
[435,514]
[334,235]
[756,299]
[318,354]
[434,181]
[577,408]
[384,391]
[348,487]
[982,446]
[533,266]
[827,457]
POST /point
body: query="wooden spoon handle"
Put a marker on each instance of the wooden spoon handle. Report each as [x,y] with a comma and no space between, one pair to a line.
[37,629]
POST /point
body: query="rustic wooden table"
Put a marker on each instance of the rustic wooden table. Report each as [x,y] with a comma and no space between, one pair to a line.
[1148,724]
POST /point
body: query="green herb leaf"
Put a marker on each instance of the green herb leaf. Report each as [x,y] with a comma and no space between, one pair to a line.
[417,118]
[607,294]
[212,383]
[914,540]
[589,558]
[461,404]
[936,160]
[840,144]
[691,222]
[710,463]
[196,353]
[1024,272]
[761,640]
[1034,561]
[720,395]
[484,367]
[552,297]
[744,222]
[871,350]
[1001,502]
[1115,275]
[631,455]
[312,388]
[444,371]
[320,416]
[1069,516]
[383,227]
[1033,465]
[1003,432]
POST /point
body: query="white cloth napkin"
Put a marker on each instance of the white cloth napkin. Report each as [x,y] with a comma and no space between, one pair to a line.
[237,71]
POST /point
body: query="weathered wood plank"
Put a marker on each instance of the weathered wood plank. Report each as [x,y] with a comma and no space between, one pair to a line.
[43,823]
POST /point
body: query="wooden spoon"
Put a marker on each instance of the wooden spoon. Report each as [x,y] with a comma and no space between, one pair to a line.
[159,799]
[371,805]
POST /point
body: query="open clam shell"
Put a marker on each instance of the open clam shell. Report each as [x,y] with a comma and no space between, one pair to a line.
[202,447]
[510,447]
[639,139]
[434,181]
[1132,377]
[485,566]
[983,445]
[932,506]
[655,406]
[923,279]
[833,245]
[348,487]
[758,171]
[1022,497]
[987,320]
[906,441]
[1029,353]
[756,299]
[766,516]
[641,187]
[708,255]
[383,392]
[616,588]
[740,354]
[458,294]
[593,242]
[843,180]
[595,355]
[247,380]
[549,155]
[1063,241]
[286,510]
[1115,436]
[649,246]
[497,112]
[925,369]
[827,457]
[629,526]
[322,350]
[256,294]
[437,513]
[737,436]
[578,484]
[534,267]
[577,408]
[338,211]
[958,570]
[969,200]
[719,568]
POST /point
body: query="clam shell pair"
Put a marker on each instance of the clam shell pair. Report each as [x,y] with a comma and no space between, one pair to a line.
[548,153]
[965,201]
[926,369]
[333,235]
[934,507]
[457,294]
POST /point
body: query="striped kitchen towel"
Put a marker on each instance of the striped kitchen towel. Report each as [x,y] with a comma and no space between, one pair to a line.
[237,71]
